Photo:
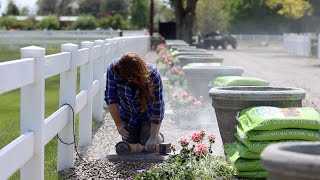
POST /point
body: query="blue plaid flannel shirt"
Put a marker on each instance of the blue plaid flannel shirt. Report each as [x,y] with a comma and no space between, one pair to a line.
[119,92]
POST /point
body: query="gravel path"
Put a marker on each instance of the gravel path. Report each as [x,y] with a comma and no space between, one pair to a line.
[105,136]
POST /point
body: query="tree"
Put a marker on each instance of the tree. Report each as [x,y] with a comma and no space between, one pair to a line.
[46,7]
[139,13]
[65,7]
[24,11]
[12,9]
[211,16]
[112,7]
[185,12]
[291,8]
[91,7]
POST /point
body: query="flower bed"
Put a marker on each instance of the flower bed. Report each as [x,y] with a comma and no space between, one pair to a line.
[194,161]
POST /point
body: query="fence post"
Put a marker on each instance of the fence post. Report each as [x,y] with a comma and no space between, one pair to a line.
[98,73]
[86,79]
[68,85]
[32,113]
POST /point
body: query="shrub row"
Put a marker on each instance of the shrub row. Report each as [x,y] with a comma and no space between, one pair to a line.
[84,22]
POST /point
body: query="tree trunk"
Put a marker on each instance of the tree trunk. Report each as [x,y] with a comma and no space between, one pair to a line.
[185,19]
[151,17]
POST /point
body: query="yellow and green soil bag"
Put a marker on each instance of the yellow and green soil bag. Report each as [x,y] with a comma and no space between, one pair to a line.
[280,134]
[238,81]
[253,174]
[273,118]
[237,149]
[242,164]
[258,146]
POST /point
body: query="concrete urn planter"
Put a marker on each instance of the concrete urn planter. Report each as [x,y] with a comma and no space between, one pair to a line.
[180,53]
[227,101]
[191,50]
[294,161]
[184,47]
[198,77]
[184,60]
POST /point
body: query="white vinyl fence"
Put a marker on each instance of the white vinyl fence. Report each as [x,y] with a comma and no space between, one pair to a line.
[29,73]
[297,44]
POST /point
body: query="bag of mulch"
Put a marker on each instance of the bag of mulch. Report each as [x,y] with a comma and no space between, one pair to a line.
[242,164]
[258,146]
[280,134]
[203,64]
[253,174]
[237,149]
[238,81]
[272,118]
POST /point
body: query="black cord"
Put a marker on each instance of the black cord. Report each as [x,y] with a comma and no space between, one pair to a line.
[74,134]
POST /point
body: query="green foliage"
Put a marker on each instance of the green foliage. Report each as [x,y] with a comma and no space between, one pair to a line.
[291,8]
[139,13]
[164,13]
[211,16]
[91,7]
[112,7]
[49,23]
[65,8]
[115,22]
[24,11]
[12,9]
[7,22]
[192,163]
[85,22]
[46,7]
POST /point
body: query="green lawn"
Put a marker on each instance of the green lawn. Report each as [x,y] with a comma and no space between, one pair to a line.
[10,112]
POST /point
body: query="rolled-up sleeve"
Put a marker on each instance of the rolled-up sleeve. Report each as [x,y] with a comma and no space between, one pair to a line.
[111,96]
[158,105]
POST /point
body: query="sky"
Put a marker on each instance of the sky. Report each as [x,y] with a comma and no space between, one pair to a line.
[20,3]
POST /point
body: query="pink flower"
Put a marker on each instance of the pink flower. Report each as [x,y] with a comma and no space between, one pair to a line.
[212,138]
[197,104]
[175,95]
[175,70]
[196,137]
[202,133]
[184,94]
[190,98]
[184,141]
[201,149]
[141,170]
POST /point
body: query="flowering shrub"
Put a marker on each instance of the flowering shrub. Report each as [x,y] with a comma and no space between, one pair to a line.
[195,161]
[189,108]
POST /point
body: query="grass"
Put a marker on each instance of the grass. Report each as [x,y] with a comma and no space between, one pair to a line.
[10,112]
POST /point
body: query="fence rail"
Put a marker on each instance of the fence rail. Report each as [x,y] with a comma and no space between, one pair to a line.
[29,73]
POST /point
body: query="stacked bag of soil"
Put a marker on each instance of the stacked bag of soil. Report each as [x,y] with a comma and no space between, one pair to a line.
[261,126]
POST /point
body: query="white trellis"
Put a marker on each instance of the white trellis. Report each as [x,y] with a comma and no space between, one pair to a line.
[29,73]
[297,44]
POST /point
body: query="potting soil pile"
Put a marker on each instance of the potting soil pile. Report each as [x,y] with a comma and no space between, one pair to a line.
[261,126]
[238,81]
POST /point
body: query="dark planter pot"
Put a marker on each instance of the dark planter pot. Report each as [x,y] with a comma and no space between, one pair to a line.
[184,60]
[227,101]
[198,77]
[294,161]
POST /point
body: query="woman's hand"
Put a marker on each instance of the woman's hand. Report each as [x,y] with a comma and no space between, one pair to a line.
[124,133]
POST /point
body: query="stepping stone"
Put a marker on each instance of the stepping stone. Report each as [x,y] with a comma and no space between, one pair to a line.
[145,157]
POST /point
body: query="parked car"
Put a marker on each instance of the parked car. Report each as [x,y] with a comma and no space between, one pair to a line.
[217,39]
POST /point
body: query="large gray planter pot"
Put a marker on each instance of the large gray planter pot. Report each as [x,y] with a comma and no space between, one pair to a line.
[180,53]
[227,101]
[184,60]
[294,161]
[191,50]
[170,43]
[198,77]
[184,47]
